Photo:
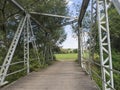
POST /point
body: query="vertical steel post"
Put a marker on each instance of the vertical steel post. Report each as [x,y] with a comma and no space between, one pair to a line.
[92,34]
[25,48]
[34,41]
[26,44]
[28,64]
[82,52]
[92,30]
[79,46]
[104,42]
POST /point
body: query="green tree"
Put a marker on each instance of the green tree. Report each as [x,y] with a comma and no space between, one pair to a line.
[114,19]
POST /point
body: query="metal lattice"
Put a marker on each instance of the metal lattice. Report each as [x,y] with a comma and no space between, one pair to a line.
[26,44]
[9,56]
[104,42]
[33,39]
[99,12]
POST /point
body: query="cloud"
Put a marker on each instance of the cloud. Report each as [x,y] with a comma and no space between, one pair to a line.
[70,41]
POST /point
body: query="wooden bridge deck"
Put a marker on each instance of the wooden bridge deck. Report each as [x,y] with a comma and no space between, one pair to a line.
[59,76]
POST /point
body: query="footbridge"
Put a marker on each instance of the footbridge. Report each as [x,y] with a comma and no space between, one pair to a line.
[87,74]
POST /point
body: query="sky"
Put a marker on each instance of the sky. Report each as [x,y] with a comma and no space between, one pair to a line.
[71,42]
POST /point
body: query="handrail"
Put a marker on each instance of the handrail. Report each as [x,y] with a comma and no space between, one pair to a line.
[116,71]
[16,72]
[102,79]
[13,63]
[93,62]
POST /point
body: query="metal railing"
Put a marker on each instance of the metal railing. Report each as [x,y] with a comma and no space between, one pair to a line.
[94,64]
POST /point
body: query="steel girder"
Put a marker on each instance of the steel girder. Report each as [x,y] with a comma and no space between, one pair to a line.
[25,24]
[81,16]
[53,15]
[33,39]
[100,14]
[82,11]
[10,53]
[85,63]
[104,43]
[26,44]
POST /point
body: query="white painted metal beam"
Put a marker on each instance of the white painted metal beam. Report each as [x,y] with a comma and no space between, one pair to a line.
[10,53]
[105,50]
[52,15]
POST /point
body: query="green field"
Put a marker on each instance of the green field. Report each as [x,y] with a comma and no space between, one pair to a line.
[66,57]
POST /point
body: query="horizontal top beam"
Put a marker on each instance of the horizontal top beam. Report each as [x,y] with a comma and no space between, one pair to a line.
[82,11]
[17,5]
[52,15]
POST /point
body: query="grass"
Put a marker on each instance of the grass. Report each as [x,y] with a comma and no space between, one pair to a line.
[66,57]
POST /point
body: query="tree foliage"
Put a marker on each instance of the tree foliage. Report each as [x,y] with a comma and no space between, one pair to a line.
[114,18]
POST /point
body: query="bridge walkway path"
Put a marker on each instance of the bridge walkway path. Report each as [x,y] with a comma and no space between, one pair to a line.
[63,75]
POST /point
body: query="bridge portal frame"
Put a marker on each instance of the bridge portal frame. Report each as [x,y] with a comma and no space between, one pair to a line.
[104,41]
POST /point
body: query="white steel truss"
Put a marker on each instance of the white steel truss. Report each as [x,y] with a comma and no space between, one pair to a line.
[53,15]
[104,42]
[33,39]
[84,62]
[92,31]
[25,24]
[92,42]
[26,44]
[9,56]
[99,8]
